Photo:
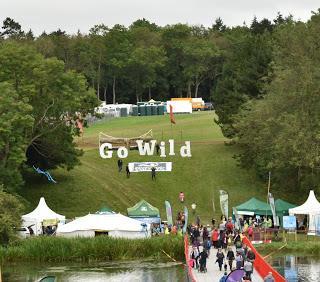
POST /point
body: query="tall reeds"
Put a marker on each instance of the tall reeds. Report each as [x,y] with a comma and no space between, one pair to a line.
[102,248]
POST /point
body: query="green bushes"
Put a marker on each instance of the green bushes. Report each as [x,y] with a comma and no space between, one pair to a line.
[46,249]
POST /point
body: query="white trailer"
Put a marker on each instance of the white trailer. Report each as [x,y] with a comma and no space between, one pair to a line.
[179,107]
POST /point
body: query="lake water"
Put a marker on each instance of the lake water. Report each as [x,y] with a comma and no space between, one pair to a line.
[108,271]
[297,268]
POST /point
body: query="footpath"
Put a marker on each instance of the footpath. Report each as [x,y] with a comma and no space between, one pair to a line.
[213,273]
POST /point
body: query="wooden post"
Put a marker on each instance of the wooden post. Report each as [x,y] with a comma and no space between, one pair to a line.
[295,236]
[283,235]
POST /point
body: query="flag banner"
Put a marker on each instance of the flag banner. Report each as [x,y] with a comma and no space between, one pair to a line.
[147,166]
[169,212]
[171,115]
[273,210]
[184,229]
[236,216]
[213,205]
[224,199]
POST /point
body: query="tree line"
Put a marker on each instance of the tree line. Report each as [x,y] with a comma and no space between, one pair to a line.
[261,77]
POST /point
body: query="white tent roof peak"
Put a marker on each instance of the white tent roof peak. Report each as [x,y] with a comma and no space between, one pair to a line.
[42,212]
[311,206]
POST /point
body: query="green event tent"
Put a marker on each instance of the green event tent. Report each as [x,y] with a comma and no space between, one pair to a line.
[145,212]
[256,206]
[282,207]
[105,209]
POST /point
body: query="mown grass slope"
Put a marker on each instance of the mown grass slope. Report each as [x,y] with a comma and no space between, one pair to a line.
[97,182]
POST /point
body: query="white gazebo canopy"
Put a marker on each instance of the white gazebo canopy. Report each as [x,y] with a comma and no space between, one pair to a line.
[117,225]
[39,214]
[311,207]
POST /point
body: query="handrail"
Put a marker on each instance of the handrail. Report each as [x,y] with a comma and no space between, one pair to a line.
[186,253]
[261,266]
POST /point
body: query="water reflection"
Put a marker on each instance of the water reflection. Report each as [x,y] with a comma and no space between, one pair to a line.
[296,268]
[111,271]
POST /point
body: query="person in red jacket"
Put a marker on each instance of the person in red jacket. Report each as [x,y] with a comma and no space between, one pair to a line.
[181,197]
[215,238]
[229,226]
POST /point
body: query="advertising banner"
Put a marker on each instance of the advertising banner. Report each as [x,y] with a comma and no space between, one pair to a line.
[169,212]
[224,201]
[289,222]
[147,166]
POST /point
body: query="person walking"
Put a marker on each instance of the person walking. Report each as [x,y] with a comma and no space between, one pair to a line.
[269,278]
[153,173]
[157,148]
[127,171]
[215,238]
[195,256]
[203,261]
[224,277]
[181,197]
[220,258]
[239,261]
[120,163]
[230,257]
[248,267]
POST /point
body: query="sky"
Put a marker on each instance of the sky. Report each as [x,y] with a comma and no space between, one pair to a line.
[74,15]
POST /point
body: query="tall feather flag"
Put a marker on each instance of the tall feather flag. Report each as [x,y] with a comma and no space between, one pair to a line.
[172,119]
[184,229]
[273,209]
[237,218]
[224,201]
[169,212]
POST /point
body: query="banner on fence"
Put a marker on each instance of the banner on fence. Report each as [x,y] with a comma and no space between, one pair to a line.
[224,200]
[147,166]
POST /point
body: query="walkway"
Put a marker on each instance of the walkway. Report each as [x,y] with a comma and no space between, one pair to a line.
[213,274]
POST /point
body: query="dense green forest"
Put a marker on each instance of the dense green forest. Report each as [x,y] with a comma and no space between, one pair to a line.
[263,79]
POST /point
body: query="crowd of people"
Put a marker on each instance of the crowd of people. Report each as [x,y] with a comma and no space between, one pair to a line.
[231,253]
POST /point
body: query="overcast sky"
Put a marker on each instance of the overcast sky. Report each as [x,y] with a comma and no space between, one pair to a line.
[71,15]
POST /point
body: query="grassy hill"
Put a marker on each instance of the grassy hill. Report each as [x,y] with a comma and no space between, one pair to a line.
[97,182]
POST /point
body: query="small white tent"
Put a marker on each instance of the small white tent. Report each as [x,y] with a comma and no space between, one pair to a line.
[38,215]
[311,208]
[112,224]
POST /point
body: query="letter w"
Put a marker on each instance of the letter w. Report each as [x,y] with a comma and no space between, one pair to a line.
[145,148]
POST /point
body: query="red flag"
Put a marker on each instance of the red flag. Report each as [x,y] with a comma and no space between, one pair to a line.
[171,115]
[79,124]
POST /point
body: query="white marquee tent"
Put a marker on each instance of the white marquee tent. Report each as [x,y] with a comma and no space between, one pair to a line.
[38,215]
[311,208]
[113,224]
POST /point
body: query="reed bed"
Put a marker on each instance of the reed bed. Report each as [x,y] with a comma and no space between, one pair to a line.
[102,248]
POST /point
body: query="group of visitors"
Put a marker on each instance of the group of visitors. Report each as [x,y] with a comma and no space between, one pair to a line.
[120,166]
[231,253]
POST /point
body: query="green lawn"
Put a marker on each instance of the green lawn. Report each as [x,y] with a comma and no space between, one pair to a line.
[96,182]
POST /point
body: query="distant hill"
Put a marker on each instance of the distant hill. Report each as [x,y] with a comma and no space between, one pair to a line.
[97,182]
